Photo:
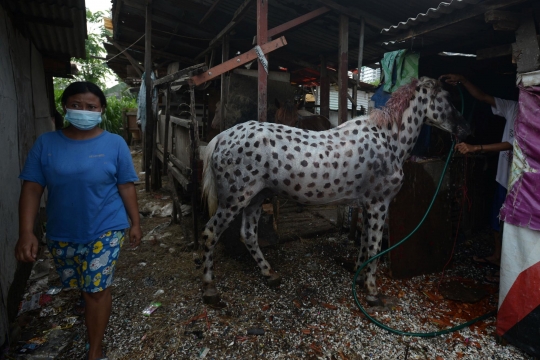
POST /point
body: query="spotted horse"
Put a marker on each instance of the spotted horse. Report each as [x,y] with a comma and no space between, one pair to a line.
[359,163]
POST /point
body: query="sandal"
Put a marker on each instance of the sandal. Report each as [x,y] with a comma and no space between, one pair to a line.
[79,307]
[483,260]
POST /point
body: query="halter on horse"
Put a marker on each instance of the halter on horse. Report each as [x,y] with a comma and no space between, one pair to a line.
[358,163]
[287,114]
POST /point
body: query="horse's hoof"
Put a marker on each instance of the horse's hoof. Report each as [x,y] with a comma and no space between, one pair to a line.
[374,301]
[211,297]
[274,280]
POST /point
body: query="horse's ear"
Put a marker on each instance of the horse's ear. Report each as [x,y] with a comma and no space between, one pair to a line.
[276,102]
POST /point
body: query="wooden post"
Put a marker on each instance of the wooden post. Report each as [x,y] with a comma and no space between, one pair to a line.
[325,89]
[343,75]
[224,84]
[156,178]
[167,124]
[354,210]
[262,38]
[360,50]
[149,129]
[354,107]
[195,168]
[205,120]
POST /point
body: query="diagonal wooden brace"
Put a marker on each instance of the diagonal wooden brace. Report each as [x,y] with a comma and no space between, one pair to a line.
[236,62]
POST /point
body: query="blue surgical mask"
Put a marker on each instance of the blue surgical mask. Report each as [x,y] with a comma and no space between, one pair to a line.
[83,119]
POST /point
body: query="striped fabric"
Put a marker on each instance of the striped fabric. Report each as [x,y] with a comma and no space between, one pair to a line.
[518,318]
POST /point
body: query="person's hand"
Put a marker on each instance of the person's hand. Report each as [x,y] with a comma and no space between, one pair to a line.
[26,248]
[465,148]
[135,236]
[453,79]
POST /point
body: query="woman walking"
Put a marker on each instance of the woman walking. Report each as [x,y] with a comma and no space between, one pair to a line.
[89,176]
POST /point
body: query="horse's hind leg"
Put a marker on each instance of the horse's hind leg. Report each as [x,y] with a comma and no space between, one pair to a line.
[210,236]
[248,231]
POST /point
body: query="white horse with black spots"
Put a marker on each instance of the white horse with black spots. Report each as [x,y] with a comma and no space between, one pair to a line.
[359,163]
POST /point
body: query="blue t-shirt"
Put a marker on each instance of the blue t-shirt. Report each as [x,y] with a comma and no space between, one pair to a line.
[82,178]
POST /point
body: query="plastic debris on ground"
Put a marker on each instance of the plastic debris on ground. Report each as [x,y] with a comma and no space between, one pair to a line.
[149,310]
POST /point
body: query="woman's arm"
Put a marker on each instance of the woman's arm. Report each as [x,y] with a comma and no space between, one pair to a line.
[27,245]
[129,197]
[465,148]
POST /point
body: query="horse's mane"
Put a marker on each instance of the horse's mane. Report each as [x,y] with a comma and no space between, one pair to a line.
[395,106]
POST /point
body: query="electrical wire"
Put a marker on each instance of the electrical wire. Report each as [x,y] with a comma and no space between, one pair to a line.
[136,41]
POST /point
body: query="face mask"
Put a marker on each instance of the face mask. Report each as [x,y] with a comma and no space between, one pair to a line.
[83,119]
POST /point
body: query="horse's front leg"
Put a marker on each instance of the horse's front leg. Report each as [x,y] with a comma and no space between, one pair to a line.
[363,246]
[376,215]
[248,231]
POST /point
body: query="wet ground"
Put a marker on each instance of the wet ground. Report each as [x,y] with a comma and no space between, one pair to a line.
[312,315]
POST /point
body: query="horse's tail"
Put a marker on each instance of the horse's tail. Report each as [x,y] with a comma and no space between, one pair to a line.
[209,180]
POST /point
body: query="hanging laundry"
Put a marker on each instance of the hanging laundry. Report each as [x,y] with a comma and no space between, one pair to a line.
[141,102]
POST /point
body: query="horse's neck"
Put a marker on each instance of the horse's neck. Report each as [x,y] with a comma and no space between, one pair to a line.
[302,112]
[409,130]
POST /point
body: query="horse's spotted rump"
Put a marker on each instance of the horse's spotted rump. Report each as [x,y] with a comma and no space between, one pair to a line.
[358,163]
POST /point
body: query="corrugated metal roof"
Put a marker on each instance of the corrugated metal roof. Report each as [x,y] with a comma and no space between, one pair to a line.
[431,13]
[56,27]
[176,30]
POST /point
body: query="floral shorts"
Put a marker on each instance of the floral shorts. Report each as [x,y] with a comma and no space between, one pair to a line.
[89,267]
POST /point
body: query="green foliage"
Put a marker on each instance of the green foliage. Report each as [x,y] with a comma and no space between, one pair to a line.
[95,70]
[112,119]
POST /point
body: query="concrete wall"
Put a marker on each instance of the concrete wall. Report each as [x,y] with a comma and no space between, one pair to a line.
[24,114]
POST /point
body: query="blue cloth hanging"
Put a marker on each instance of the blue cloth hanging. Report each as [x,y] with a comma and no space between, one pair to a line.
[141,101]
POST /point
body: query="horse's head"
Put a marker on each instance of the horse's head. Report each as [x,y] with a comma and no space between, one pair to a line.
[216,121]
[286,112]
[438,109]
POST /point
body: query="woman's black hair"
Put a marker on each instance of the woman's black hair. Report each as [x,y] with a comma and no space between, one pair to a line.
[81,87]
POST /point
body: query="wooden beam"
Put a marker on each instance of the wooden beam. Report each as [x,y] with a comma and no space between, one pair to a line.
[159,53]
[503,20]
[177,75]
[237,17]
[457,16]
[357,14]
[497,51]
[343,70]
[132,61]
[115,18]
[237,61]
[149,128]
[210,11]
[262,38]
[324,89]
[299,21]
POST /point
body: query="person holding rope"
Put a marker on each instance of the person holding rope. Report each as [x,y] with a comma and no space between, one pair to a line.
[508,109]
[89,175]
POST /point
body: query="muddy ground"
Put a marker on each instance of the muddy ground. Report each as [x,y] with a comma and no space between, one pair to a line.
[312,315]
